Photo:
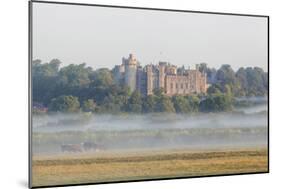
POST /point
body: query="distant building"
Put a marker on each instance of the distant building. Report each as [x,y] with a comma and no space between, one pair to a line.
[118,73]
[130,71]
[174,81]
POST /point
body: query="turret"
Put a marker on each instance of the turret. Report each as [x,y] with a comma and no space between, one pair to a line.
[130,71]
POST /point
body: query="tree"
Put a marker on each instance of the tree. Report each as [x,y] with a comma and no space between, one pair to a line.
[241,76]
[216,103]
[103,77]
[44,77]
[89,105]
[181,104]
[193,102]
[226,75]
[252,81]
[149,103]
[74,76]
[211,72]
[47,69]
[214,89]
[74,80]
[135,103]
[111,104]
[164,104]
[257,82]
[68,104]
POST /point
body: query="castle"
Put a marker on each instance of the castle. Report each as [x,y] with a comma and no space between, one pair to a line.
[173,80]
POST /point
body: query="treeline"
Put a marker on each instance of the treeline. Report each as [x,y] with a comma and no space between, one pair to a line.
[245,82]
[76,88]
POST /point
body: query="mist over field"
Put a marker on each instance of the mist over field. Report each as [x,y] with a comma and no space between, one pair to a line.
[244,127]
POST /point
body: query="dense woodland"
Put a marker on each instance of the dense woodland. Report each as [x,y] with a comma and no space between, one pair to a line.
[76,88]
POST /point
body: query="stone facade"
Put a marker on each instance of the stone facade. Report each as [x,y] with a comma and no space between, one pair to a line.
[174,81]
[119,73]
[191,82]
[130,71]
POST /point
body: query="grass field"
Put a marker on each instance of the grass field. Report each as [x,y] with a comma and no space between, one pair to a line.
[110,166]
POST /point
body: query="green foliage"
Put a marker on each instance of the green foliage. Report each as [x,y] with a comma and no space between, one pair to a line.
[149,103]
[226,75]
[44,77]
[102,77]
[164,104]
[245,82]
[63,103]
[214,89]
[135,98]
[181,104]
[72,76]
[252,81]
[161,103]
[111,104]
[135,103]
[216,103]
[193,102]
[89,105]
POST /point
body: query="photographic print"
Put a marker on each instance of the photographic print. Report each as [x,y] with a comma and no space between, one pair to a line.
[121,94]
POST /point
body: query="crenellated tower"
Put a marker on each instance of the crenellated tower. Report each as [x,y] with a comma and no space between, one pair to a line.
[130,71]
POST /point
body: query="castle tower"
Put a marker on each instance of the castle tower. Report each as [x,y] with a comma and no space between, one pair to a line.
[118,73]
[203,83]
[162,66]
[130,71]
[149,79]
[200,81]
[141,81]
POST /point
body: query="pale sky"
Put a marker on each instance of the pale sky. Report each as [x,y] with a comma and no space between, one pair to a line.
[101,36]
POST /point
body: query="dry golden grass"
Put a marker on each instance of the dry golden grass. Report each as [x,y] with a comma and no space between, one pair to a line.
[116,167]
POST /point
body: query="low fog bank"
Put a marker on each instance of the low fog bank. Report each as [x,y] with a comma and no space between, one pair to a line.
[250,105]
[51,143]
[255,116]
[253,109]
[255,99]
[245,127]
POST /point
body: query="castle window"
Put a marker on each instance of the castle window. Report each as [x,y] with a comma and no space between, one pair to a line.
[176,86]
[181,86]
[186,85]
[171,85]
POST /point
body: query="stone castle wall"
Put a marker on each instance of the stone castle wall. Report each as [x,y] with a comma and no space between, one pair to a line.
[163,75]
[190,83]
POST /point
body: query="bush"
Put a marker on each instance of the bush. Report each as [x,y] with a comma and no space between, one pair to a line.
[64,103]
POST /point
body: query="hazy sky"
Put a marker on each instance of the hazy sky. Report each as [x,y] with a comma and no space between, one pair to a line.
[101,36]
